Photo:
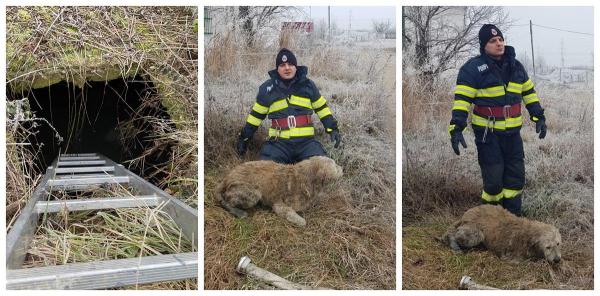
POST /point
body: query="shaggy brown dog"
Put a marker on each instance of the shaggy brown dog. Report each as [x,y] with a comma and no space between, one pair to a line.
[284,188]
[508,236]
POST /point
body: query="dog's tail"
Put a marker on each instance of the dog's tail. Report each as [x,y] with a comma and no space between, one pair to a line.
[221,189]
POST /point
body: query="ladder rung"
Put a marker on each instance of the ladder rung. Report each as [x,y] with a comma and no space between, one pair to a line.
[67,158]
[96,203]
[81,176]
[81,162]
[106,274]
[79,154]
[85,169]
[88,181]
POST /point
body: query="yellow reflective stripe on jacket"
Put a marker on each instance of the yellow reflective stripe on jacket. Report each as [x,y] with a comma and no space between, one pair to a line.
[498,124]
[306,131]
[318,103]
[465,90]
[527,85]
[461,105]
[491,197]
[510,193]
[260,109]
[489,92]
[531,98]
[253,120]
[514,87]
[324,112]
[300,101]
[278,105]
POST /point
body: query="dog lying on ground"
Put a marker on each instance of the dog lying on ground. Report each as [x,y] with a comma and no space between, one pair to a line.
[287,189]
[508,236]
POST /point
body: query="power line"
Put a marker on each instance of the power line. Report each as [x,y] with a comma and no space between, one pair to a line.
[552,28]
[569,31]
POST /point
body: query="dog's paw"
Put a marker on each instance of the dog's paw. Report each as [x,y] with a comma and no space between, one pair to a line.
[299,221]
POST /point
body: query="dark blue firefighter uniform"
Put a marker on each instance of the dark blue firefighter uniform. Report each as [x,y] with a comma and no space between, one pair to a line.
[495,90]
[279,100]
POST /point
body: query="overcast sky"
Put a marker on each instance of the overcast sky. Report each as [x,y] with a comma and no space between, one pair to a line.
[578,48]
[359,17]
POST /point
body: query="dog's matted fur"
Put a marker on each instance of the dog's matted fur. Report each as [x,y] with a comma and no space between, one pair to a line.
[285,188]
[508,236]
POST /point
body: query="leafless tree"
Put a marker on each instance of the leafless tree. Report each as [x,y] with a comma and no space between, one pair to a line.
[525,58]
[382,27]
[441,36]
[256,18]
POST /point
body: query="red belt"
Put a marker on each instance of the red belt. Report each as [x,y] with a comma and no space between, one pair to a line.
[291,121]
[507,111]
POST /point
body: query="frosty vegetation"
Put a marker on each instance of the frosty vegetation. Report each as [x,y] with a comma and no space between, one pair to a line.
[349,242]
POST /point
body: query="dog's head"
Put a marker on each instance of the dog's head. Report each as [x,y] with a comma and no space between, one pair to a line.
[324,168]
[546,244]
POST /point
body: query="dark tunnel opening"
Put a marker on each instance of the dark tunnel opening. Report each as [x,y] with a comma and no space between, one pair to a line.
[117,118]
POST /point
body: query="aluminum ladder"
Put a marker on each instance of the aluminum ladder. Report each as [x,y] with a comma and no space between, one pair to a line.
[80,172]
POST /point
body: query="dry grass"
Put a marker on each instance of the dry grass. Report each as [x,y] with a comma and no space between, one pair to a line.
[46,45]
[429,265]
[349,242]
[86,236]
[439,186]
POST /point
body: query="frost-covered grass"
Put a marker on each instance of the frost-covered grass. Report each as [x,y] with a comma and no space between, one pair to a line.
[437,184]
[349,242]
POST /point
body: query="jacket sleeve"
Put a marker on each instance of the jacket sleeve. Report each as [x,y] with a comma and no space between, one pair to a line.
[464,94]
[530,98]
[257,114]
[319,105]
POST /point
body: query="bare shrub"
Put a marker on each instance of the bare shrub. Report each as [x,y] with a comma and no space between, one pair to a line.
[349,240]
[438,186]
[77,44]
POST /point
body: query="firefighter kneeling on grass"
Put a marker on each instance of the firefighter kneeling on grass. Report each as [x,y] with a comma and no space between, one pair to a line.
[496,83]
[289,99]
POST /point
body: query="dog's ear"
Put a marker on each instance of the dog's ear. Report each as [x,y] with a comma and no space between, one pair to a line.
[533,246]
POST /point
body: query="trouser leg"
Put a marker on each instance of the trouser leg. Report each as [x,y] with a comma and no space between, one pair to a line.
[491,162]
[309,148]
[276,151]
[514,173]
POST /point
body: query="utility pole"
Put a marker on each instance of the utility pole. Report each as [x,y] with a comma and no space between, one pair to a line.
[329,21]
[531,35]
[562,58]
[349,24]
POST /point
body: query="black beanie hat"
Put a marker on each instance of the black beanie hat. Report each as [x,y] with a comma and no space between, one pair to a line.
[487,32]
[285,55]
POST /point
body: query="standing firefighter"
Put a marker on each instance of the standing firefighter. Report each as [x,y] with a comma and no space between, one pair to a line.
[496,83]
[289,99]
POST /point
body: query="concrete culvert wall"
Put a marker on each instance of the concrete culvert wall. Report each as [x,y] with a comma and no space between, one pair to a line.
[114,118]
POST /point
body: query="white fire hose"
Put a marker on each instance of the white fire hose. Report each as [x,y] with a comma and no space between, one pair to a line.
[245,267]
[466,283]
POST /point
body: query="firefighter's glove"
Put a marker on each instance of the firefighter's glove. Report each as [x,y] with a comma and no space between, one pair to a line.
[456,137]
[242,145]
[540,125]
[336,137]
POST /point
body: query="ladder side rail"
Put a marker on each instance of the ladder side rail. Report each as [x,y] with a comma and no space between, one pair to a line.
[185,216]
[22,231]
